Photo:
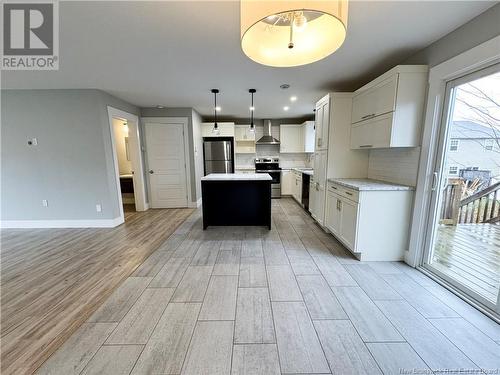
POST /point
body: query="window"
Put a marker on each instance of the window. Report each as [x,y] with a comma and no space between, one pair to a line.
[454,144]
[453,170]
[488,144]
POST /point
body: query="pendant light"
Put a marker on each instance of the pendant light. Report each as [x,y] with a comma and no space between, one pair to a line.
[216,126]
[252,110]
[284,33]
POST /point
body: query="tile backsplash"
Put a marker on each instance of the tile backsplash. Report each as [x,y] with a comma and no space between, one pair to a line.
[397,165]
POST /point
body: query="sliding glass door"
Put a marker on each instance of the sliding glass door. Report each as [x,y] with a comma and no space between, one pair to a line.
[463,233]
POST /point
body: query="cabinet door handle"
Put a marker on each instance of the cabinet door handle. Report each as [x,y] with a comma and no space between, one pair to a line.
[366,146]
[151,171]
[348,193]
[368,116]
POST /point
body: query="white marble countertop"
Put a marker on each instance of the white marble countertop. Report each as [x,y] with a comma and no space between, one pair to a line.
[308,171]
[237,177]
[365,184]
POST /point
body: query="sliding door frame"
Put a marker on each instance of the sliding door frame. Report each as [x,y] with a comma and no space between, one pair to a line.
[475,59]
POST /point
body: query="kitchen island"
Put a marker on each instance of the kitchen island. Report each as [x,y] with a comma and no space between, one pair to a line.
[236,199]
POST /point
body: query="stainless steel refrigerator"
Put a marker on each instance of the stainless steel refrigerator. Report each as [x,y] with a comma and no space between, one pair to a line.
[218,156]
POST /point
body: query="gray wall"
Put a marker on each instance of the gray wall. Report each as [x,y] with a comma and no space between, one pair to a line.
[476,31]
[72,166]
[177,112]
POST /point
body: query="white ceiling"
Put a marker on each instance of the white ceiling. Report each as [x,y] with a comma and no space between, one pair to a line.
[173,53]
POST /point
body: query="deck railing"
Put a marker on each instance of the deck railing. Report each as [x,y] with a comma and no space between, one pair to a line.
[481,207]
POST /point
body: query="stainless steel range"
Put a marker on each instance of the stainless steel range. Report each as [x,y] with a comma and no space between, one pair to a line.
[271,166]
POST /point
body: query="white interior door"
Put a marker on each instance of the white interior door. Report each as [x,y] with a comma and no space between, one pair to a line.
[167,165]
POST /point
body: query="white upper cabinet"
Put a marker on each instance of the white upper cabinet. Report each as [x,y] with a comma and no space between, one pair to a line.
[309,140]
[244,139]
[226,129]
[291,138]
[387,112]
[297,138]
[375,101]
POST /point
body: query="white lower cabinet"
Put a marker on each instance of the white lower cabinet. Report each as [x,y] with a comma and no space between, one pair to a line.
[341,218]
[332,213]
[372,224]
[297,186]
[348,222]
[287,182]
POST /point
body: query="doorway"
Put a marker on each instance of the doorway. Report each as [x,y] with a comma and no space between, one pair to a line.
[463,231]
[167,157]
[127,156]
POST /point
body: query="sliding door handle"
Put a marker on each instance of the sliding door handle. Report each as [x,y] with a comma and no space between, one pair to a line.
[434,181]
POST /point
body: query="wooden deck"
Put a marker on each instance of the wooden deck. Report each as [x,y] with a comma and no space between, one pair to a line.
[470,253]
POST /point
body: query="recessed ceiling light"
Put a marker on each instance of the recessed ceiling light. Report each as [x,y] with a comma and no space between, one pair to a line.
[252,108]
[286,108]
[284,86]
[293,98]
[159,106]
[218,109]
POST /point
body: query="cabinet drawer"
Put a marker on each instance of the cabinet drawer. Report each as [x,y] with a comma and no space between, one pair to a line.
[342,191]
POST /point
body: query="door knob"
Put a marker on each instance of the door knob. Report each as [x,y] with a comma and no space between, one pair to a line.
[151,171]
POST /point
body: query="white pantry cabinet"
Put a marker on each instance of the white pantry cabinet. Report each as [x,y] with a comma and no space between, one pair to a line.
[334,159]
[387,112]
[287,182]
[373,224]
[318,193]
[226,129]
[322,123]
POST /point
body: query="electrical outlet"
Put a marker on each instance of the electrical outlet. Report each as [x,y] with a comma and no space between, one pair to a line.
[45,203]
[98,208]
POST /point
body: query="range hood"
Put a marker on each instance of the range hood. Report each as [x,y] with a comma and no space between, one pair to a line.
[267,138]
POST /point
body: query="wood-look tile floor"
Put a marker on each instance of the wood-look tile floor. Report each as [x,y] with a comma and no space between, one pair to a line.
[52,280]
[245,300]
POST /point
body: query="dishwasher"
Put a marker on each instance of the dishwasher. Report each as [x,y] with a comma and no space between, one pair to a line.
[305,191]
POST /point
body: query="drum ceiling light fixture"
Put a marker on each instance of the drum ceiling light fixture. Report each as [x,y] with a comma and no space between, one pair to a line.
[292,33]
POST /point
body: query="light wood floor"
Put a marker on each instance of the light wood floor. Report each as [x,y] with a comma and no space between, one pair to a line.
[470,253]
[245,300]
[52,280]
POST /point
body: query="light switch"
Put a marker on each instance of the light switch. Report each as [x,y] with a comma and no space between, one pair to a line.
[32,142]
[98,208]
[45,203]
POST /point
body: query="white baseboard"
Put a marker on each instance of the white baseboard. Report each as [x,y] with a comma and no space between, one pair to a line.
[195,204]
[100,223]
